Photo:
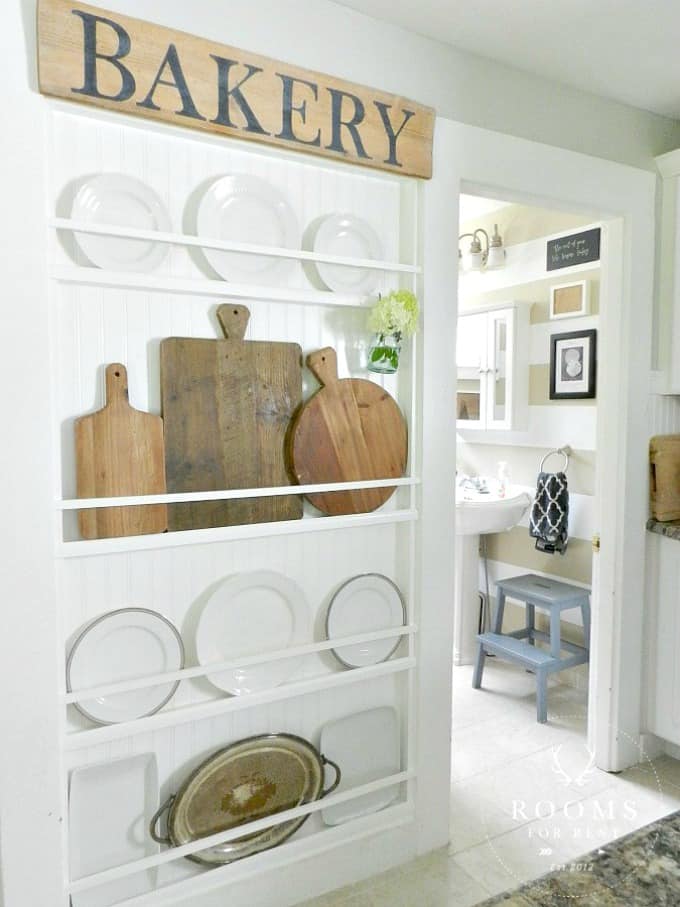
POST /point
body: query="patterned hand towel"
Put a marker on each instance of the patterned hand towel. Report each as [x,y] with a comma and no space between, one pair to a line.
[549,520]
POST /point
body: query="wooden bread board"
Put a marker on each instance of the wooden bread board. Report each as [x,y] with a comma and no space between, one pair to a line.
[227,405]
[119,451]
[664,485]
[350,430]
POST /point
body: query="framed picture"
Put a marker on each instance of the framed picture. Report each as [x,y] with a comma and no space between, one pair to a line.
[573,365]
[570,300]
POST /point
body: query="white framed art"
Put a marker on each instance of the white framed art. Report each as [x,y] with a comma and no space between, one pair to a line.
[570,300]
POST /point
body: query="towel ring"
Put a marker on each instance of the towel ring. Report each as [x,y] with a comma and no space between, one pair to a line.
[559,452]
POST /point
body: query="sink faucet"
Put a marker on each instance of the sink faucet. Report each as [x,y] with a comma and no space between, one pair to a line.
[473,483]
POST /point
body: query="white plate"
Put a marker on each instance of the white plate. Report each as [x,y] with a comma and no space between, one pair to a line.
[366,746]
[249,614]
[365,604]
[117,200]
[246,209]
[122,645]
[351,237]
[110,808]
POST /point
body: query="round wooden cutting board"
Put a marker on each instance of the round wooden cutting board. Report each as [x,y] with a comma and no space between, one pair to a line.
[350,430]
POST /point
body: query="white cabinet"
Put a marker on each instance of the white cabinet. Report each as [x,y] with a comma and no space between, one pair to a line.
[663,641]
[492,367]
[668,321]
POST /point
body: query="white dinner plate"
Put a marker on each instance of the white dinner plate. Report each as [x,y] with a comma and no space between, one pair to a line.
[351,237]
[247,209]
[367,747]
[110,807]
[364,604]
[249,614]
[117,200]
[123,645]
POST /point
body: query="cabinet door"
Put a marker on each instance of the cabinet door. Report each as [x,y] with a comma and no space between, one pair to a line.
[499,376]
[471,357]
[663,619]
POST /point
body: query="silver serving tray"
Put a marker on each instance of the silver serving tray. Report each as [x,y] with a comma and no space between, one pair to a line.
[249,780]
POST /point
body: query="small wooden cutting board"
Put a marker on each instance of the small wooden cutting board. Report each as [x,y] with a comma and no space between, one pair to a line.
[350,430]
[119,451]
[227,406]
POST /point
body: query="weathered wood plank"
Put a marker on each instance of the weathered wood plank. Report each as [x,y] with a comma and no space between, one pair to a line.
[98,57]
[227,406]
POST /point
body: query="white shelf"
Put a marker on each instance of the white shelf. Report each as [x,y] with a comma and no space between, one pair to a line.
[204,286]
[230,494]
[91,547]
[198,712]
[175,853]
[379,823]
[201,242]
[325,645]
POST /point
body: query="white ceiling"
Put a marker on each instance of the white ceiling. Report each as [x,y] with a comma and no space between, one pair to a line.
[627,50]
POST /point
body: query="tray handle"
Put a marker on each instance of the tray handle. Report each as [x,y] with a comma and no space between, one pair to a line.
[159,839]
[338,776]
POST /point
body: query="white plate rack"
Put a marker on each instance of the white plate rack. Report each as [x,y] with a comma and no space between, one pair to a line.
[100,316]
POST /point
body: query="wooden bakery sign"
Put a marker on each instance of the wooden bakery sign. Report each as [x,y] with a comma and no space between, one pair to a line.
[98,57]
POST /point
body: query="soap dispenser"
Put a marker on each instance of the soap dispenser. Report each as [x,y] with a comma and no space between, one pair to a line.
[503,478]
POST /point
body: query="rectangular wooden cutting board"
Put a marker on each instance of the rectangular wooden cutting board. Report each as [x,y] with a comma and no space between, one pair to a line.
[119,451]
[227,405]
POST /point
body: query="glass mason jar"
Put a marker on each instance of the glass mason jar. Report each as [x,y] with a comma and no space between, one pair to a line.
[383,355]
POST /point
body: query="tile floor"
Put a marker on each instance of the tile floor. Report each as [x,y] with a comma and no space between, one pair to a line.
[524,798]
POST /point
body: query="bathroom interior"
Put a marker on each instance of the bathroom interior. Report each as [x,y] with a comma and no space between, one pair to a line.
[512,311]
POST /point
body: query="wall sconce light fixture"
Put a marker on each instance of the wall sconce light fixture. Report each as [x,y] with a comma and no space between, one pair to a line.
[479,259]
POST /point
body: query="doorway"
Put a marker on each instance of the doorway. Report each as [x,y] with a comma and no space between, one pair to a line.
[527,797]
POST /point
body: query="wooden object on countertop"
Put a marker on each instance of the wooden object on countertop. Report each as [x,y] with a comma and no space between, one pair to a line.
[119,451]
[350,430]
[664,485]
[227,405]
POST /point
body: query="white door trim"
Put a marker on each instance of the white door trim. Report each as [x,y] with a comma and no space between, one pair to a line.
[624,199]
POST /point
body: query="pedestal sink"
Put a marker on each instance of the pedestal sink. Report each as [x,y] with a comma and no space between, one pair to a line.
[478,514]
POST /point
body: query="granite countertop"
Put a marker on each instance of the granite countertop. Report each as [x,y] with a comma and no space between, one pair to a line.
[640,870]
[671,530]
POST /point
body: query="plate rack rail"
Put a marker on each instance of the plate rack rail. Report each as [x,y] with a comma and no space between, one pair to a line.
[65,281]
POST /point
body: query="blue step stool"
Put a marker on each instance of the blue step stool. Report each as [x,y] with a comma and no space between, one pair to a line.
[519,647]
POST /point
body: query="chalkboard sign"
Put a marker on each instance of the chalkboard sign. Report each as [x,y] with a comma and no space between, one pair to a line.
[577,249]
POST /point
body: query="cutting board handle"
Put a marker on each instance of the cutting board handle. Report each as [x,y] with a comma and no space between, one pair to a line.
[116,384]
[234,320]
[324,365]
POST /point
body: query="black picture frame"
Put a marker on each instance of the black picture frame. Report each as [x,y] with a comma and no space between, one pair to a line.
[573,365]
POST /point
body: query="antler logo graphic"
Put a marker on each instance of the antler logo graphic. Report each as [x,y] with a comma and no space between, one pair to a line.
[579,780]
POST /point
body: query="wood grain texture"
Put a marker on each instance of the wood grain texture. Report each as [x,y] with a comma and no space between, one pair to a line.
[227,406]
[278,104]
[119,451]
[350,430]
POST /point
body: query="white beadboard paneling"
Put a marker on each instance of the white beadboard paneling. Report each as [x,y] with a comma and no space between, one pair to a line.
[664,643]
[96,323]
[664,414]
[549,427]
[540,334]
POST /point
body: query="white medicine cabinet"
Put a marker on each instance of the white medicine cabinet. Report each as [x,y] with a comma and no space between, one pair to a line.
[492,377]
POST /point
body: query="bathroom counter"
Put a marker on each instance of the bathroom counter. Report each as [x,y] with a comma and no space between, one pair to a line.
[670,530]
[642,869]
